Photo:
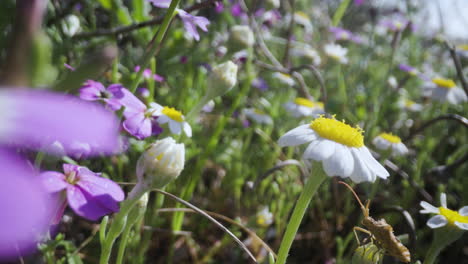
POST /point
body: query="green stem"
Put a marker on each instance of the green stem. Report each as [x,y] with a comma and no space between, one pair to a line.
[135,215]
[155,46]
[308,192]
[442,238]
[120,221]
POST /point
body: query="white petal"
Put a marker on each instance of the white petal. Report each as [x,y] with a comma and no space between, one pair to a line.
[428,208]
[443,200]
[361,172]
[162,119]
[319,150]
[372,163]
[187,129]
[400,149]
[341,163]
[175,127]
[437,221]
[463,211]
[463,226]
[297,136]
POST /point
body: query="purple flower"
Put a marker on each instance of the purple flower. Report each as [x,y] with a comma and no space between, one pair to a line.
[260,84]
[139,120]
[147,74]
[24,207]
[95,91]
[68,66]
[343,34]
[190,22]
[397,23]
[358,2]
[88,194]
[37,119]
[236,10]
[219,7]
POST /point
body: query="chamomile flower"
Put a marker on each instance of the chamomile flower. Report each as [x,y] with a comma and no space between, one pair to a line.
[409,105]
[339,147]
[336,52]
[446,90]
[302,19]
[306,52]
[386,141]
[304,107]
[174,118]
[444,215]
[284,78]
[264,217]
[257,115]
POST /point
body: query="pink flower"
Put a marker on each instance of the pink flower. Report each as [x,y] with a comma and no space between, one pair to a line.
[88,194]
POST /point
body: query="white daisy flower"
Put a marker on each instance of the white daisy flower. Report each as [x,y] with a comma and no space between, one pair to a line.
[264,217]
[284,78]
[307,52]
[174,118]
[444,215]
[304,107]
[257,115]
[339,147]
[409,105]
[302,19]
[446,90]
[386,141]
[336,52]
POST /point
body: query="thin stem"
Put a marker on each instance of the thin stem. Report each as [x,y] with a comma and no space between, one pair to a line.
[442,238]
[155,46]
[310,188]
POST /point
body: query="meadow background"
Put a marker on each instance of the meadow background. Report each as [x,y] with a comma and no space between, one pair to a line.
[234,167]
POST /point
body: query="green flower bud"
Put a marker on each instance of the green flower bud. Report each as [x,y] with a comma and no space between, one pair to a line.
[241,37]
[161,163]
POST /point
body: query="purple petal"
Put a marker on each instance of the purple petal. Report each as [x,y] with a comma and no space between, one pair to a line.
[98,186]
[39,118]
[236,10]
[160,3]
[117,93]
[91,91]
[138,126]
[53,181]
[86,205]
[191,22]
[132,104]
[24,205]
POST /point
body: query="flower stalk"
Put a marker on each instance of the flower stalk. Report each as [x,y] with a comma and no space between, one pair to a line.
[310,188]
[155,46]
[442,238]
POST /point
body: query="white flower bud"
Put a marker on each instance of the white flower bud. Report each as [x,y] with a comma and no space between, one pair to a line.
[161,163]
[222,78]
[71,25]
[241,37]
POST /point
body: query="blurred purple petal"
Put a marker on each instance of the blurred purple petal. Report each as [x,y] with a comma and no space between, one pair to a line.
[131,103]
[191,22]
[25,208]
[160,3]
[38,118]
[53,181]
[236,10]
[219,7]
[358,2]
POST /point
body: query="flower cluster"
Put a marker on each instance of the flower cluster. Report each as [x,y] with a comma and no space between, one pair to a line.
[140,121]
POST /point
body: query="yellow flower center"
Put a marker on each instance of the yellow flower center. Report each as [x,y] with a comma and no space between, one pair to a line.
[72,178]
[446,83]
[259,112]
[302,15]
[337,131]
[409,103]
[173,114]
[390,138]
[463,47]
[453,216]
[304,102]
